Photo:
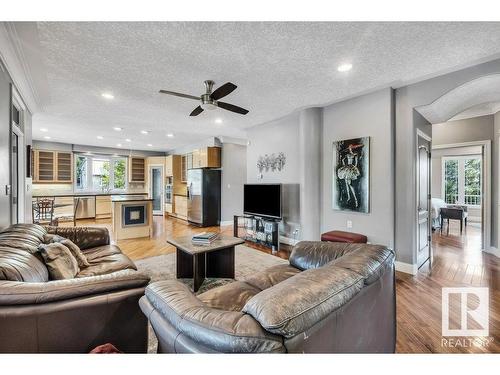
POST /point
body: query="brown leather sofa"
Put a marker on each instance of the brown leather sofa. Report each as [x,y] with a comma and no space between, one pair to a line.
[75,315]
[330,298]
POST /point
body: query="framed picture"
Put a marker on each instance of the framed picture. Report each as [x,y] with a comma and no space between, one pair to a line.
[351,175]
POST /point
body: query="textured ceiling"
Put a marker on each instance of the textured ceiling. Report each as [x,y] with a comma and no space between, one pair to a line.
[278,67]
[478,110]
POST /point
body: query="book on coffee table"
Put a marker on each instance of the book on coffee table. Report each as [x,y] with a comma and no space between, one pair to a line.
[204,238]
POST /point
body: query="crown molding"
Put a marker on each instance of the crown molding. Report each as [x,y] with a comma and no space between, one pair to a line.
[12,56]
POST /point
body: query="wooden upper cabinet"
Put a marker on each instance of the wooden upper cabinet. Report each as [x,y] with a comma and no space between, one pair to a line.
[64,166]
[207,157]
[183,168]
[169,166]
[45,166]
[137,169]
[52,167]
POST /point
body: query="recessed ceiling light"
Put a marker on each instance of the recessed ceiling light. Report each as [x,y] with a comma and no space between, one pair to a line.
[46,137]
[107,95]
[144,132]
[100,137]
[128,140]
[118,145]
[344,67]
[170,135]
[218,121]
[44,130]
[117,128]
[150,145]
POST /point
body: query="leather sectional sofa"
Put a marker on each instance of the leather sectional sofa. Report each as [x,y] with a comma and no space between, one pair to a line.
[75,315]
[330,298]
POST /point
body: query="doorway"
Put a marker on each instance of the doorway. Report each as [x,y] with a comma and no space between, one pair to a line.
[17,157]
[462,181]
[157,188]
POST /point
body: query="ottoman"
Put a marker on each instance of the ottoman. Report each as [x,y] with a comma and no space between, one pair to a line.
[341,236]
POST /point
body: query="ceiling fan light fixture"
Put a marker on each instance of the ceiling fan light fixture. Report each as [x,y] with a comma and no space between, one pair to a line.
[208,106]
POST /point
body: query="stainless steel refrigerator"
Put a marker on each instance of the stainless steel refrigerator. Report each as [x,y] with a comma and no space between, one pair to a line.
[204,187]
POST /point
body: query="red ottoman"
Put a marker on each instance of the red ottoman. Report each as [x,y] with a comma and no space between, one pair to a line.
[341,236]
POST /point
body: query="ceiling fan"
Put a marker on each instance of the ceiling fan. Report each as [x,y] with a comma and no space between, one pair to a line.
[210,100]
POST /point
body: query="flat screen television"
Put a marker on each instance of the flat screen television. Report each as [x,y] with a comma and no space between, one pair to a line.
[262,200]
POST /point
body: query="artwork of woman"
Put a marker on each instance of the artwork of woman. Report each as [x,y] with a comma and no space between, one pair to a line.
[351,174]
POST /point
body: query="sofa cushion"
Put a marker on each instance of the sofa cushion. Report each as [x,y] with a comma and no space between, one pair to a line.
[341,236]
[105,259]
[59,261]
[20,265]
[224,331]
[84,237]
[313,254]
[230,297]
[25,237]
[369,261]
[296,304]
[271,276]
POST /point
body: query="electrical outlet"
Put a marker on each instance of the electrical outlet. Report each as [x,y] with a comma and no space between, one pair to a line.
[349,224]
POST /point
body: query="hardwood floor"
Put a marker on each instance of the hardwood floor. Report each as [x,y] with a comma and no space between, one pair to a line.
[458,261]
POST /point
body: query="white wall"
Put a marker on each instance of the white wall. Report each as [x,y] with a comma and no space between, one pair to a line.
[366,116]
[234,176]
[273,137]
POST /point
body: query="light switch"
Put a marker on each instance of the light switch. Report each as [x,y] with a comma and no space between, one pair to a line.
[349,224]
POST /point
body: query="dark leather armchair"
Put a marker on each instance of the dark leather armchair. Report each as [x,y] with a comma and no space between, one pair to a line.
[100,305]
[330,298]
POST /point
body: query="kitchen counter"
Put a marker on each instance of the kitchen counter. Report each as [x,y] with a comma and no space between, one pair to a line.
[129,198]
[82,194]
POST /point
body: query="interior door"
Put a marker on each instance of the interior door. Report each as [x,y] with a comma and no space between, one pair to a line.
[15,179]
[424,198]
[156,176]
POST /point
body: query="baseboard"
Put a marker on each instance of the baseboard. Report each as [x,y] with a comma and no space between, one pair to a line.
[406,268]
[493,251]
[226,223]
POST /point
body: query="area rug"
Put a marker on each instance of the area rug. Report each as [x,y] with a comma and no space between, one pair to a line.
[163,267]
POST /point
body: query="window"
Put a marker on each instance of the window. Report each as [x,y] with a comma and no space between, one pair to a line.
[100,173]
[462,180]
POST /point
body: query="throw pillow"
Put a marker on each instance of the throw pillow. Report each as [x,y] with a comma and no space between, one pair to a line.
[75,250]
[77,253]
[60,263]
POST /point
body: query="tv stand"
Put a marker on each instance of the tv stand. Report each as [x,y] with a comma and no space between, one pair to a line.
[261,230]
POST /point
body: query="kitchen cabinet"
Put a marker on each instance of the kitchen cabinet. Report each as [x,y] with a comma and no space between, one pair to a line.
[53,167]
[180,204]
[103,207]
[183,168]
[169,165]
[207,157]
[137,169]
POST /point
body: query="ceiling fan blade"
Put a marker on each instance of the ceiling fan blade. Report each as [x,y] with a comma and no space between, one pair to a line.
[196,111]
[179,94]
[232,108]
[225,89]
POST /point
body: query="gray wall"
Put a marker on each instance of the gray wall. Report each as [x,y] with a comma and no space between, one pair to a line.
[234,176]
[5,100]
[279,136]
[369,115]
[467,130]
[407,98]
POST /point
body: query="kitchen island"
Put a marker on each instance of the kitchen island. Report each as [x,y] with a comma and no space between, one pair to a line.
[132,216]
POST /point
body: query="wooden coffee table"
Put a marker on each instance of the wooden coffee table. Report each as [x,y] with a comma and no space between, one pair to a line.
[200,261]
